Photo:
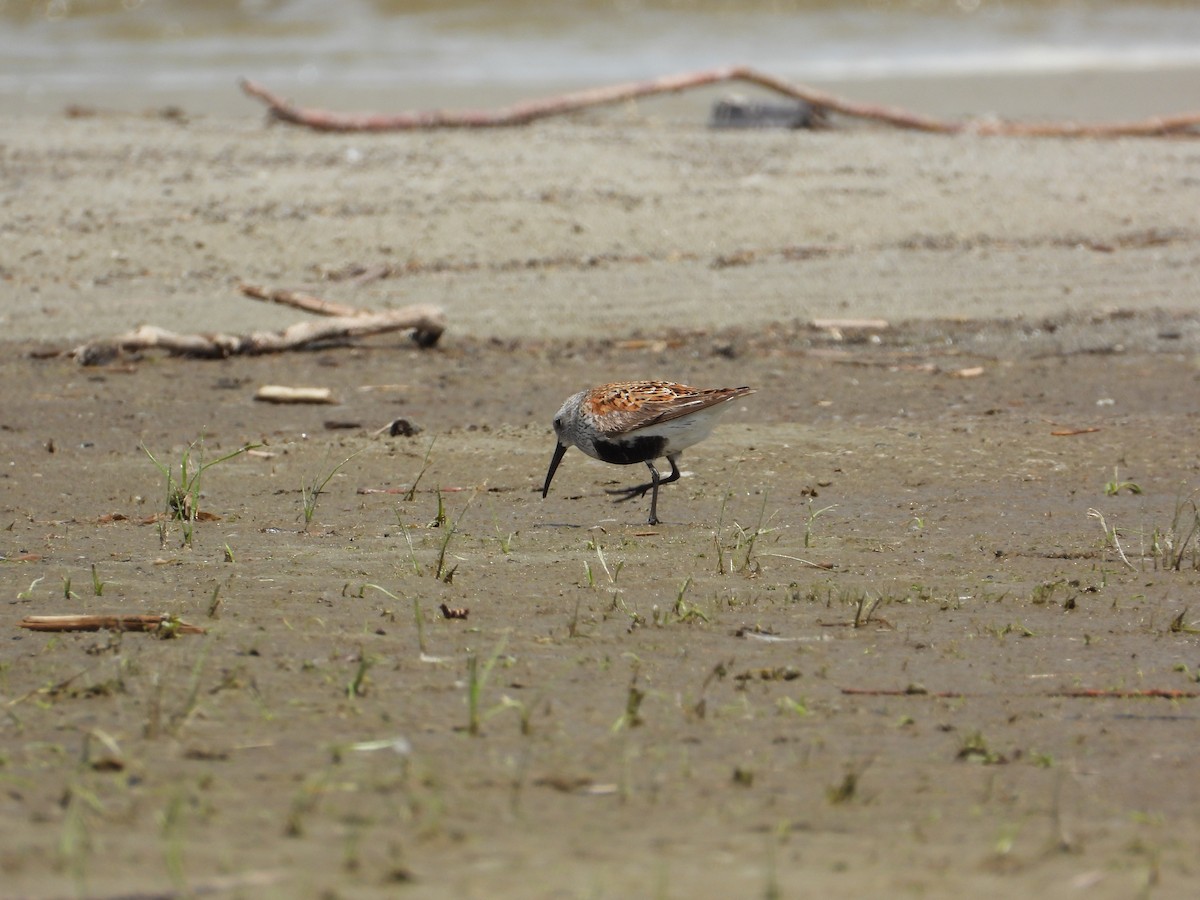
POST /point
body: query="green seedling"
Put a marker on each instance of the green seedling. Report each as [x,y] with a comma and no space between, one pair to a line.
[304,801]
[1114,487]
[97,584]
[812,518]
[418,618]
[477,679]
[100,749]
[843,791]
[412,551]
[631,718]
[524,713]
[864,609]
[175,722]
[182,500]
[1016,628]
[1044,592]
[793,707]
[181,716]
[440,519]
[311,491]
[412,491]
[1111,537]
[1187,673]
[443,574]
[1170,547]
[747,539]
[717,534]
[772,889]
[975,748]
[1179,624]
[171,822]
[358,684]
[615,572]
[505,542]
[718,673]
[228,555]
[75,842]
[683,612]
[27,594]
[1006,840]
[573,625]
[68,594]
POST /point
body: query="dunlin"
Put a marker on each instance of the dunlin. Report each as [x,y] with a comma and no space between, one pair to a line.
[638,422]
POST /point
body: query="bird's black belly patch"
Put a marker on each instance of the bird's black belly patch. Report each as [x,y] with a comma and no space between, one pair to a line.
[625,453]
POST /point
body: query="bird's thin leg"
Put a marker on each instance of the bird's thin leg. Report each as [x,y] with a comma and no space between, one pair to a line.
[623,494]
[655,481]
[674,476]
[640,490]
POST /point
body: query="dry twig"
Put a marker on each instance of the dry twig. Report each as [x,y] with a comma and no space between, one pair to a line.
[306,302]
[110,623]
[426,323]
[527,111]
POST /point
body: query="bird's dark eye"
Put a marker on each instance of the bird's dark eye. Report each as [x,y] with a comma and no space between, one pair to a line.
[558,424]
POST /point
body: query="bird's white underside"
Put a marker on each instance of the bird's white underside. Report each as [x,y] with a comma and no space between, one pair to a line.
[684,431]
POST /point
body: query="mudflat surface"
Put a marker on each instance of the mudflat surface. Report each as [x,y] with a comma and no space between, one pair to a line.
[912,624]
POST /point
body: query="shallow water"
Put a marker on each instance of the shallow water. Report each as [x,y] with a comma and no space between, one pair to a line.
[158,47]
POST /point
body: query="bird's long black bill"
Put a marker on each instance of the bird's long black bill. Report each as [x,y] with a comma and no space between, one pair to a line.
[557,458]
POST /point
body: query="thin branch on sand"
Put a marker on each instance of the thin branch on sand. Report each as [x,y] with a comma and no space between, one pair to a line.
[110,623]
[426,323]
[306,302]
[526,111]
[1089,694]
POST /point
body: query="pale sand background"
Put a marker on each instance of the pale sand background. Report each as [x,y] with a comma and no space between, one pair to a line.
[124,218]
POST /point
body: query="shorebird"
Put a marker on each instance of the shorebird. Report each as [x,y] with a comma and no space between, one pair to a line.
[631,422]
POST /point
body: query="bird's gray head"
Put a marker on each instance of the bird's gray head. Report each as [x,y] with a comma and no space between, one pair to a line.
[567,418]
[566,429]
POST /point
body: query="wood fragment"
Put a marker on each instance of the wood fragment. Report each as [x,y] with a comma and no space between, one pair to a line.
[1071,432]
[901,693]
[426,323]
[524,112]
[110,623]
[1161,693]
[280,393]
[850,324]
[654,346]
[306,302]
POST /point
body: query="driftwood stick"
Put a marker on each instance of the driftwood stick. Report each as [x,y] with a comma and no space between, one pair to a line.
[1090,694]
[527,111]
[306,302]
[426,322]
[109,623]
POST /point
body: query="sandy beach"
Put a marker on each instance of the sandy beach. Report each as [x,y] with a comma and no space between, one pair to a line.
[921,615]
[632,220]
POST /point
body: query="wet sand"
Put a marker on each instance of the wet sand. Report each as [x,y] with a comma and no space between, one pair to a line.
[882,644]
